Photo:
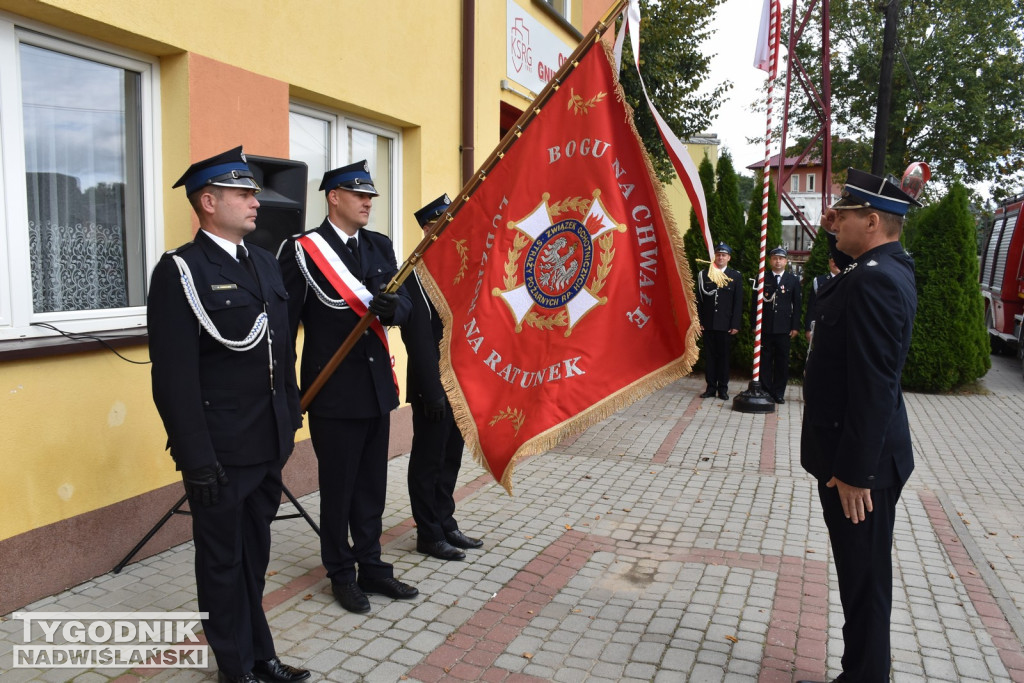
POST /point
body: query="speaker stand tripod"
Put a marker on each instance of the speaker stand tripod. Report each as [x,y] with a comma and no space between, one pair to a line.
[176,510]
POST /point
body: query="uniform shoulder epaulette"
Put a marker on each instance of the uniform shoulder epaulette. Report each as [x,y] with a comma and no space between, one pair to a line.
[178,250]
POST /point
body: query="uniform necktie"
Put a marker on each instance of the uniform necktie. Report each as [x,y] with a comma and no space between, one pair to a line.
[246,262]
[353,245]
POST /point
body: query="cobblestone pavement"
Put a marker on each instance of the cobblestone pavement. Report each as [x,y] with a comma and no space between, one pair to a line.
[677,540]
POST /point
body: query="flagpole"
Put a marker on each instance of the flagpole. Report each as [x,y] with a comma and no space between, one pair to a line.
[755,399]
[467,191]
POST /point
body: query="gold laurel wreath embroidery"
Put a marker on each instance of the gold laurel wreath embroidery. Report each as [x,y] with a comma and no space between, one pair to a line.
[460,248]
[515,415]
[546,322]
[605,241]
[520,242]
[581,106]
[578,204]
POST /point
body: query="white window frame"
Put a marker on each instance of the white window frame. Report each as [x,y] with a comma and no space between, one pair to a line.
[794,183]
[17,318]
[811,178]
[339,155]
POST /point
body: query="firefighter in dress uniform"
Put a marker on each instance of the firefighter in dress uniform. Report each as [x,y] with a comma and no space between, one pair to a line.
[719,310]
[224,385]
[437,444]
[855,438]
[780,322]
[334,274]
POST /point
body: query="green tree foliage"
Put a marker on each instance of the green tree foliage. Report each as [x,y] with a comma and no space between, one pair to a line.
[693,239]
[957,87]
[950,345]
[727,191]
[674,68]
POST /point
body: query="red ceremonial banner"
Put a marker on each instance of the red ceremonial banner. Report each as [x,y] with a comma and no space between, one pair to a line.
[562,281]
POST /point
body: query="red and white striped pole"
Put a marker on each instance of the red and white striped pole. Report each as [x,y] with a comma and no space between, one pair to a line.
[752,400]
[773,56]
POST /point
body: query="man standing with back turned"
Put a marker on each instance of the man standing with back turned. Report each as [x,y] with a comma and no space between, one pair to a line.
[856,439]
[224,384]
[334,274]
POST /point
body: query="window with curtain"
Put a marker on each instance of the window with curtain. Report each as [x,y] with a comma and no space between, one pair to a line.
[78,232]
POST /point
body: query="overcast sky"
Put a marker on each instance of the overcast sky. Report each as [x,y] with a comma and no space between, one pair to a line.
[736,24]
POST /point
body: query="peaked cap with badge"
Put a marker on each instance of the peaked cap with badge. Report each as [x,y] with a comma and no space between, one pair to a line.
[354,177]
[227,169]
[432,211]
[864,190]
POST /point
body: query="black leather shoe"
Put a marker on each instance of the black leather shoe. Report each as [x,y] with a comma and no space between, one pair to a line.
[723,394]
[442,550]
[350,597]
[780,400]
[244,678]
[461,540]
[391,587]
[708,394]
[273,670]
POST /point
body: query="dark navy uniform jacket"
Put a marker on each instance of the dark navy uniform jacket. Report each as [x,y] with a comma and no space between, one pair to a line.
[855,422]
[216,403]
[422,336]
[816,284]
[721,309]
[781,311]
[363,385]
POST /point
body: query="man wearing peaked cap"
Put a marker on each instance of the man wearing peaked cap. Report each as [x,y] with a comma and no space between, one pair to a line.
[354,178]
[719,310]
[855,437]
[780,323]
[436,455]
[335,274]
[227,169]
[217,312]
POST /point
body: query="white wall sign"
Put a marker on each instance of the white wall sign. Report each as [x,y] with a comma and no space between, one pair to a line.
[532,53]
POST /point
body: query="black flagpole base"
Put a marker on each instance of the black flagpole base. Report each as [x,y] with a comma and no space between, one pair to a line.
[753,400]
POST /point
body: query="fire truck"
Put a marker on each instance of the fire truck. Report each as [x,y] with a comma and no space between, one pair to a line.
[1002,277]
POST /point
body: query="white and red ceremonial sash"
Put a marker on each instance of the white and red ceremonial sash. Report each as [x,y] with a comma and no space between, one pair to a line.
[562,280]
[351,289]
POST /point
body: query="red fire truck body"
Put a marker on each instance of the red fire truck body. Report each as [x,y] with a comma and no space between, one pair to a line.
[1002,277]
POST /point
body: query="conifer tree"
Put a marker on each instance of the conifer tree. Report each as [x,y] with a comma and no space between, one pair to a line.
[950,346]
[730,207]
[693,239]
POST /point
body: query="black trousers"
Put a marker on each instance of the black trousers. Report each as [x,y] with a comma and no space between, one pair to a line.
[232,540]
[775,363]
[352,462]
[863,556]
[434,464]
[716,358]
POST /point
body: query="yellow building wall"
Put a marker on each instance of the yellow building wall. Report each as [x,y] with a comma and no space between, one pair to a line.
[81,431]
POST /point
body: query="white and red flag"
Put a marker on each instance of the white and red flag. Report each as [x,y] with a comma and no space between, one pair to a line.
[765,55]
[562,280]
